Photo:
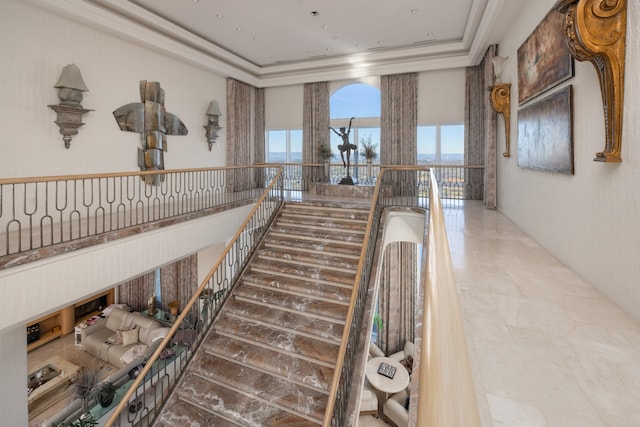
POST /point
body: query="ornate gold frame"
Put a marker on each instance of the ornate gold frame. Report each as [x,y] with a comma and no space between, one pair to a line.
[595,31]
[501,104]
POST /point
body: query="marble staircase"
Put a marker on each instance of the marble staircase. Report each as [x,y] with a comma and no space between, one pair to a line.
[270,355]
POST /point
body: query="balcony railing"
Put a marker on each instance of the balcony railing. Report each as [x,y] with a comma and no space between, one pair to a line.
[48,212]
[455,182]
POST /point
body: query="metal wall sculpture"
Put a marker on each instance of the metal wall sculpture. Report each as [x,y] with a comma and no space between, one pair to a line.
[150,119]
[595,31]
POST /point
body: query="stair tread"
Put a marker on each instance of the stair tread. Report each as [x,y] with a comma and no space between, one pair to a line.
[278,364]
[298,322]
[287,342]
[337,212]
[177,412]
[268,389]
[321,260]
[318,234]
[318,221]
[299,285]
[301,304]
[304,272]
[313,245]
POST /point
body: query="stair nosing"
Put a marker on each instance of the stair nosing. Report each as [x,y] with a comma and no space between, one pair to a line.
[276,349]
[315,227]
[311,251]
[256,397]
[283,329]
[336,219]
[308,264]
[315,239]
[290,310]
[264,371]
[306,279]
[206,409]
[300,294]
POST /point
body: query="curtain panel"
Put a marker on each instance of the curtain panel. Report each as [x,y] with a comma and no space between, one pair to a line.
[239,124]
[259,155]
[480,132]
[397,296]
[399,119]
[136,292]
[315,129]
[179,281]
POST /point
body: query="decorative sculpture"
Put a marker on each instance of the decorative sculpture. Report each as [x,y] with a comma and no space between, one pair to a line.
[345,147]
[150,119]
[70,111]
[501,104]
[595,31]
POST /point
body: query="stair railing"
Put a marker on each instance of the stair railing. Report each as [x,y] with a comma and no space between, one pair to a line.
[443,389]
[144,396]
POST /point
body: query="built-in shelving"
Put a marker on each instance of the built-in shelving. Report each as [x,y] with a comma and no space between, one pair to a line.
[63,321]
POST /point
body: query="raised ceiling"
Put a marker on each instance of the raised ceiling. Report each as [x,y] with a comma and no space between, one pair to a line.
[272,42]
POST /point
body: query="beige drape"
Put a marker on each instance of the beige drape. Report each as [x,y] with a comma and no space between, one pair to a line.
[239,123]
[179,281]
[315,128]
[397,296]
[398,146]
[480,131]
[399,119]
[136,292]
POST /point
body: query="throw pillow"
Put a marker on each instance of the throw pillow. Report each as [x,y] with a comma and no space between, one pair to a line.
[130,337]
[407,363]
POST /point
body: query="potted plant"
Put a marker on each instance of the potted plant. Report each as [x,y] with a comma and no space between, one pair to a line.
[368,151]
[84,388]
[325,154]
[106,393]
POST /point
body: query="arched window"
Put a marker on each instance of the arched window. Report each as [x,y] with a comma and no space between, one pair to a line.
[362,101]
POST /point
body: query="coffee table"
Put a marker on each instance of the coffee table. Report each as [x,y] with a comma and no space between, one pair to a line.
[41,397]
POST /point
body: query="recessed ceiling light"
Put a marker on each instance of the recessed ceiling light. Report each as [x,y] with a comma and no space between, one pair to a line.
[325,27]
[380,41]
[238,28]
[315,13]
[255,39]
[219,16]
[413,11]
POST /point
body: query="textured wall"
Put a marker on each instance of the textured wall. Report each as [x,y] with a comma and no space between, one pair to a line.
[588,220]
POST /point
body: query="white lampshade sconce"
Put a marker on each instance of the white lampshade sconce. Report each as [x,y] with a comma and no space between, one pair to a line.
[213,123]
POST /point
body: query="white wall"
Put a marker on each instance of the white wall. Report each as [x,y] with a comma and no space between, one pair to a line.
[440,99]
[588,220]
[37,44]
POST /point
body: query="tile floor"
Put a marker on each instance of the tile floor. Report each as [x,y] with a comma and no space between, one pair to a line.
[546,348]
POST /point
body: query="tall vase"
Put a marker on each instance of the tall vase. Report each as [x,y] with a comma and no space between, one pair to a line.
[327,171]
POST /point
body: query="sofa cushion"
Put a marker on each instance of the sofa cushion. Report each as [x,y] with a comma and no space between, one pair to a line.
[130,336]
[119,319]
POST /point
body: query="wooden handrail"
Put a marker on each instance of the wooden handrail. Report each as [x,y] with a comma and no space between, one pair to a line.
[447,396]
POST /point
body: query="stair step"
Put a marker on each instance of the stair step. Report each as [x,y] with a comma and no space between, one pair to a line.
[299,286]
[317,235]
[327,211]
[325,260]
[322,221]
[305,273]
[290,343]
[301,372]
[301,323]
[295,303]
[326,227]
[271,391]
[313,245]
[179,413]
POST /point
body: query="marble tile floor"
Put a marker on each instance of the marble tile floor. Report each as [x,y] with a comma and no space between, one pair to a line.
[546,348]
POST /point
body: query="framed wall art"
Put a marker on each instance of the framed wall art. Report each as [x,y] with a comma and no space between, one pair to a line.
[544,59]
[545,133]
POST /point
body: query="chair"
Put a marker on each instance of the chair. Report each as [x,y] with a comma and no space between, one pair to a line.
[368,400]
[409,350]
[396,410]
[374,351]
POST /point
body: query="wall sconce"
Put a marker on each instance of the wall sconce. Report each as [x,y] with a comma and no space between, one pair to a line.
[212,127]
[501,100]
[70,111]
